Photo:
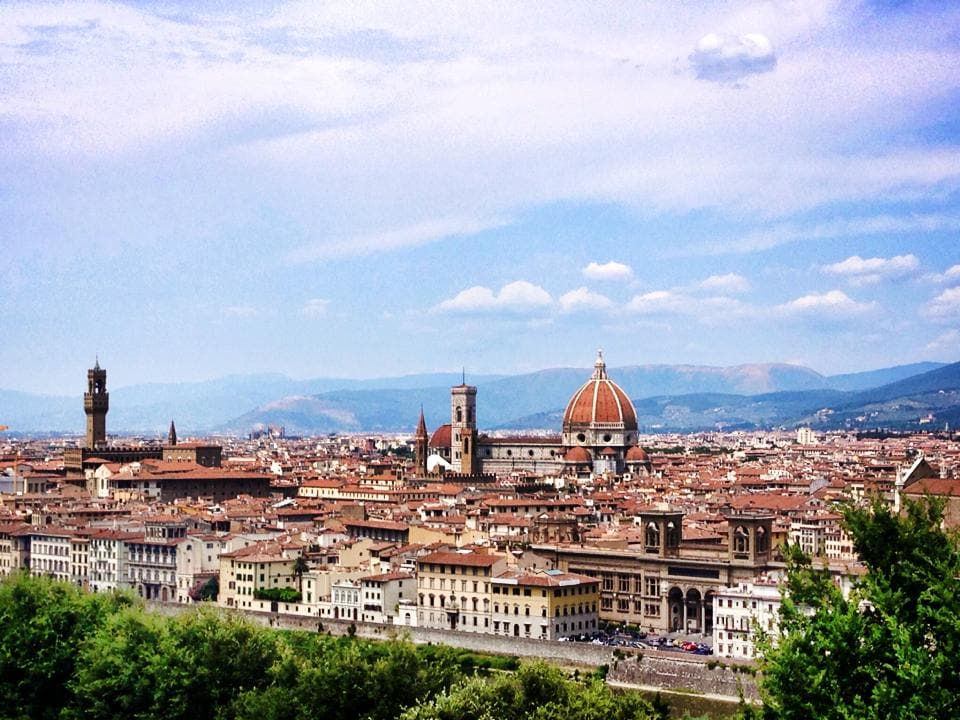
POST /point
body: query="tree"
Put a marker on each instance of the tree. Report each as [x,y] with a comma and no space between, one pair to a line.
[535,692]
[210,590]
[300,566]
[140,665]
[889,650]
[43,625]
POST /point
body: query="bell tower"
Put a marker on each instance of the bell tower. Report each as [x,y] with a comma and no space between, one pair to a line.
[96,402]
[421,441]
[463,428]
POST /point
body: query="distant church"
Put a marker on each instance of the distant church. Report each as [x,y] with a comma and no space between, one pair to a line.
[96,450]
[599,435]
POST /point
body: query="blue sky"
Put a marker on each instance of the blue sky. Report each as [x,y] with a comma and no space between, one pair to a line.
[367,189]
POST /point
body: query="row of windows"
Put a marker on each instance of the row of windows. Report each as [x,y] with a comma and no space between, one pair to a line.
[558,612]
[649,609]
[441,584]
[646,585]
[49,549]
[556,592]
[452,569]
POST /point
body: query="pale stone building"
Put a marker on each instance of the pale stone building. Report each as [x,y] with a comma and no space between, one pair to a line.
[740,614]
[453,590]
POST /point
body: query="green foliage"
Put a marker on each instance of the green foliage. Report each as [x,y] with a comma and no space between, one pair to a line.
[535,692]
[42,626]
[210,590]
[146,666]
[284,594]
[891,648]
[73,656]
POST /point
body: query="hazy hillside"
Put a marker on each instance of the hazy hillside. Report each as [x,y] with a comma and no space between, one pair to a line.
[501,401]
[875,378]
[929,400]
[667,397]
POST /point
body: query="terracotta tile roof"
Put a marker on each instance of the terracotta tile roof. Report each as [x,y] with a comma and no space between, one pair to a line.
[460,559]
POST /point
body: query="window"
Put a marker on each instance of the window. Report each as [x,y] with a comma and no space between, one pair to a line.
[741,540]
[652,536]
[651,585]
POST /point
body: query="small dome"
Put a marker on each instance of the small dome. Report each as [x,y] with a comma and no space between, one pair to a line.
[578,455]
[637,454]
[440,437]
[608,451]
[600,401]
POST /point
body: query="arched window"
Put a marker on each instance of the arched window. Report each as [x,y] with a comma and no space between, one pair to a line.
[459,414]
[762,540]
[652,535]
[673,535]
[741,540]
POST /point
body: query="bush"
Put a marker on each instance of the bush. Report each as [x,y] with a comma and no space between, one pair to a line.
[284,594]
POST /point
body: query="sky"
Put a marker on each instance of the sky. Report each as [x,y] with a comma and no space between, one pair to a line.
[351,189]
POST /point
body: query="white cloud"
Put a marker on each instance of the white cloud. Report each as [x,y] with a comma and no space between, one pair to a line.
[307,107]
[949,275]
[421,233]
[240,311]
[583,299]
[868,271]
[519,296]
[729,58]
[717,309]
[608,271]
[658,301]
[730,283]
[946,305]
[948,342]
[830,305]
[315,307]
[787,233]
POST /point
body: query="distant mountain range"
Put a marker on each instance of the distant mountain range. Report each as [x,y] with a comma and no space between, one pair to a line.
[667,398]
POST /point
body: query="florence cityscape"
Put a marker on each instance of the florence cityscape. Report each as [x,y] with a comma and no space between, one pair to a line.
[466,360]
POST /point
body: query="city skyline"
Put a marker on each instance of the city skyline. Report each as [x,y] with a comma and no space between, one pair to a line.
[195,190]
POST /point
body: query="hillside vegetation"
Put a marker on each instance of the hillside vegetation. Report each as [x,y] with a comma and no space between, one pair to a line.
[70,655]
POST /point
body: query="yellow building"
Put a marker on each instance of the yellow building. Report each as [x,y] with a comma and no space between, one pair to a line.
[260,566]
[544,604]
[453,590]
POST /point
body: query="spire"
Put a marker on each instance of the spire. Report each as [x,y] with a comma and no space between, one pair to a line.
[599,367]
[421,426]
[96,364]
[172,437]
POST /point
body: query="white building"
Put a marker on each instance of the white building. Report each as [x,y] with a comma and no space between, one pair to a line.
[389,598]
[107,558]
[740,613]
[152,560]
[197,562]
[345,600]
[50,553]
